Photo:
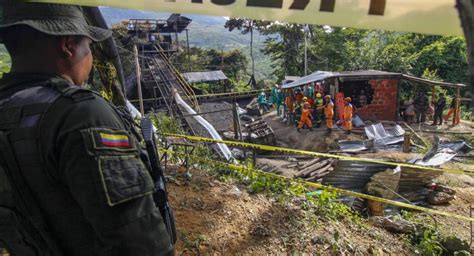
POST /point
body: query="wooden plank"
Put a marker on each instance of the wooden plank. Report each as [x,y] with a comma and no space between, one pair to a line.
[307,171]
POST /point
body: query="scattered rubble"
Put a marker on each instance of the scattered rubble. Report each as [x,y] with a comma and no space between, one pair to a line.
[437,198]
[445,189]
[260,132]
[397,226]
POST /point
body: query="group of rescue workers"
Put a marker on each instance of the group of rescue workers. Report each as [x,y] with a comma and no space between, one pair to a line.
[304,105]
[418,110]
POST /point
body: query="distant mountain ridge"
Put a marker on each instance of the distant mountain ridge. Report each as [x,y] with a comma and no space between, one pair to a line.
[114,15]
[204,31]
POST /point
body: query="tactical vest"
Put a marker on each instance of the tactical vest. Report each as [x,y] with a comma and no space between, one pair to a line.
[23,228]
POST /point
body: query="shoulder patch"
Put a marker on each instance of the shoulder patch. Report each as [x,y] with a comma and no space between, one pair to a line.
[123,173]
[103,141]
[114,140]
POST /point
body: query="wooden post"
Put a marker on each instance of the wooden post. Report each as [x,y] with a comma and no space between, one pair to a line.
[456,107]
[239,127]
[139,78]
[187,50]
[406,143]
[375,208]
[235,116]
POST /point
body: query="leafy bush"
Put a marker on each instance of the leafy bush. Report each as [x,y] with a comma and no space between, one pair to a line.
[165,123]
[5,63]
[428,242]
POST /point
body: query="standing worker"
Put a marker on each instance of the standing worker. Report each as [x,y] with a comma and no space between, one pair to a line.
[452,107]
[305,117]
[298,111]
[299,96]
[439,108]
[309,90]
[262,103]
[279,102]
[85,188]
[274,96]
[318,107]
[290,105]
[421,107]
[347,115]
[328,112]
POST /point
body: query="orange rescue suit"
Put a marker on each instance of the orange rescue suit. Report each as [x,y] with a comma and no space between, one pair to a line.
[329,113]
[290,104]
[305,118]
[347,122]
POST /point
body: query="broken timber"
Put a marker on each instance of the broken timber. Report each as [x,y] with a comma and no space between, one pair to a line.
[315,169]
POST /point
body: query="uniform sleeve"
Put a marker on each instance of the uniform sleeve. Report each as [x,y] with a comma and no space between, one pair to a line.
[99,163]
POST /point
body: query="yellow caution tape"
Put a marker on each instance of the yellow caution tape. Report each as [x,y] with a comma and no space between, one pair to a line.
[311,153]
[328,188]
[438,17]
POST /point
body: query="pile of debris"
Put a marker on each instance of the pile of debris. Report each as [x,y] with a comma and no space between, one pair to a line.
[440,194]
[260,132]
[315,169]
[378,138]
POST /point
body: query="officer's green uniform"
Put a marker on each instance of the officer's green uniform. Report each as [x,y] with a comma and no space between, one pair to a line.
[95,192]
[81,158]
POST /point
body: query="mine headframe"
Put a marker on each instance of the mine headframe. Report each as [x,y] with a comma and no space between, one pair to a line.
[160,31]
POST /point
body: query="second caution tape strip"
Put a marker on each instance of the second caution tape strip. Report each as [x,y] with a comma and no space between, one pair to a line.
[316,154]
[241,168]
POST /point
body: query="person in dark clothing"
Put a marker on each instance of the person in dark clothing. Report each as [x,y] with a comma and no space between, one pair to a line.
[439,108]
[421,107]
[81,157]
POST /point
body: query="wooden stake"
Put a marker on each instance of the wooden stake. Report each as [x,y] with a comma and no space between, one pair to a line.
[456,107]
[235,121]
[406,143]
[416,135]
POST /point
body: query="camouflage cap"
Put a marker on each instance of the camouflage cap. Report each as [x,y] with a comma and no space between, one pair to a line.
[51,19]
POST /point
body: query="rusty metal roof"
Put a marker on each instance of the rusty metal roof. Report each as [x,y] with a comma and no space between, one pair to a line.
[208,76]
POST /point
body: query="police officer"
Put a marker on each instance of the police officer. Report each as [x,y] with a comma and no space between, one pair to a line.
[78,155]
[421,107]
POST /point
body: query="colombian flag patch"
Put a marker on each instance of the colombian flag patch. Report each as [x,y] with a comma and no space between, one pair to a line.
[114,140]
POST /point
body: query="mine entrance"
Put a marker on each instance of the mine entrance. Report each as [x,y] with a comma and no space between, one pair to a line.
[361,92]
